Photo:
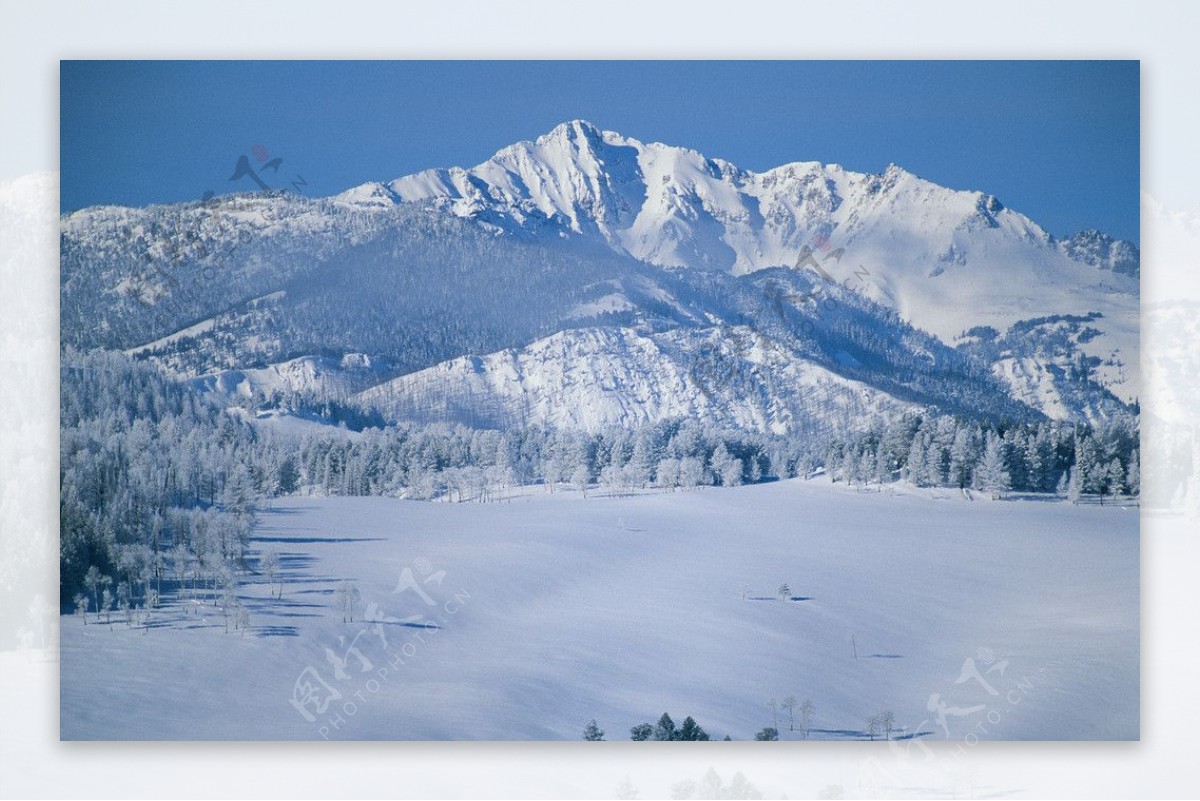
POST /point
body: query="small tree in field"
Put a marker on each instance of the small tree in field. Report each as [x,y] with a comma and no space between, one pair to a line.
[789,704]
[784,591]
[887,720]
[347,597]
[641,732]
[124,602]
[229,604]
[806,713]
[81,606]
[767,735]
[592,732]
[94,582]
[873,726]
[580,479]
[270,569]
[107,600]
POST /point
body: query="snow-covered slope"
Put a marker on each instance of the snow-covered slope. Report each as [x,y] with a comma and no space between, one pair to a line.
[311,376]
[592,378]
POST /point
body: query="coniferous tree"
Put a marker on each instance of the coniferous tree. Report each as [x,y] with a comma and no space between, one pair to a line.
[640,732]
[992,474]
[665,729]
[691,731]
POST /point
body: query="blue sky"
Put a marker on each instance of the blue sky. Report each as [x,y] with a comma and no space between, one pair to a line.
[1057,140]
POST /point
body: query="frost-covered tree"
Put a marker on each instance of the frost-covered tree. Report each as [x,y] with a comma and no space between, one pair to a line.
[592,732]
[887,720]
[963,455]
[580,479]
[347,599]
[992,474]
[638,470]
[640,732]
[691,472]
[789,704]
[667,474]
[731,472]
[95,581]
[1133,474]
[806,713]
[552,470]
[107,600]
[916,466]
[873,726]
[1074,485]
[242,618]
[124,602]
[269,565]
[767,735]
[612,479]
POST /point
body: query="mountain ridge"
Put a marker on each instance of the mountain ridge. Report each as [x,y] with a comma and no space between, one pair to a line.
[582,227]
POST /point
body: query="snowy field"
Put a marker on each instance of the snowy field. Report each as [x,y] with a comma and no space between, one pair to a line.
[526,619]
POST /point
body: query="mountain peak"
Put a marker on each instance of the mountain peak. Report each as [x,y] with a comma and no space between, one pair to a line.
[573,129]
[1104,251]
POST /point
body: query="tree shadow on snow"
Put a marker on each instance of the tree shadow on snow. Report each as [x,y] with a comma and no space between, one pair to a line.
[863,734]
[315,540]
[275,631]
[408,624]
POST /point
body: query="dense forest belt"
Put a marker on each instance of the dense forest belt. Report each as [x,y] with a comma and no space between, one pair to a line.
[157,480]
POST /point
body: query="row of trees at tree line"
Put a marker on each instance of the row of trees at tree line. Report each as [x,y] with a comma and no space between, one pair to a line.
[943,451]
[158,483]
[458,463]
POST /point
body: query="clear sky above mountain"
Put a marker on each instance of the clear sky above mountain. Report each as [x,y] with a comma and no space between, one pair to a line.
[1058,141]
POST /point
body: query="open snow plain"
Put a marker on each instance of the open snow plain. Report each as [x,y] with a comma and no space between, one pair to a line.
[525,619]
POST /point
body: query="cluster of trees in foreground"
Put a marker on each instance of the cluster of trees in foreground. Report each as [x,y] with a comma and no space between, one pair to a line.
[159,484]
[664,730]
[799,718]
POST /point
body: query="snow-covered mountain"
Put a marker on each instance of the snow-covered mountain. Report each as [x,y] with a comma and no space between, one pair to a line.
[946,260]
[567,280]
